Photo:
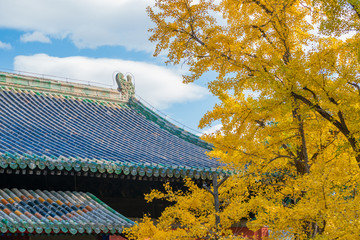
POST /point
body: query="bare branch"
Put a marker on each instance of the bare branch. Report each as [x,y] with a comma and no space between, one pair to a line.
[223,180]
[208,189]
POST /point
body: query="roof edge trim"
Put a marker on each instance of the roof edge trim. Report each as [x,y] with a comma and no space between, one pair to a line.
[101,166]
[168,126]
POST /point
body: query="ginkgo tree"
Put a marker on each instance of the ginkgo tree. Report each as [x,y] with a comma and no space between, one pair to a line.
[288,84]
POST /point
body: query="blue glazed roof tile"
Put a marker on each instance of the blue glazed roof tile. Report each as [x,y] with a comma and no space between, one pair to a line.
[40,130]
[23,211]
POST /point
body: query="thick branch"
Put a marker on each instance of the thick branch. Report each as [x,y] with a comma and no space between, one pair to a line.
[321,111]
[302,160]
[338,124]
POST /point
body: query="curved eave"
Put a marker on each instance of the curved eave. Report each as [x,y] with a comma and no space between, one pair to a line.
[103,167]
[57,212]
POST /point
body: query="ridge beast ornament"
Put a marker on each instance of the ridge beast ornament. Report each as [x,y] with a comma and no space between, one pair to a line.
[125,86]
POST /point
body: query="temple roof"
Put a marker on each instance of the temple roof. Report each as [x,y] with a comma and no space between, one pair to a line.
[51,212]
[53,125]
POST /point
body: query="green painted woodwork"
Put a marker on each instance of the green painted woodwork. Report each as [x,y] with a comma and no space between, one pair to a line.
[33,162]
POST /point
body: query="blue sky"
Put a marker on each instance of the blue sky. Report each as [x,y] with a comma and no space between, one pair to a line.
[90,40]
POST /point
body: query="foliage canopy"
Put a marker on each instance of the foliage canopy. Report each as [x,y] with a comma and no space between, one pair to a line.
[288,82]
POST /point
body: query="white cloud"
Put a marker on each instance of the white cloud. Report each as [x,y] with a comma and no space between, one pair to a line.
[212,129]
[88,23]
[159,86]
[34,37]
[5,45]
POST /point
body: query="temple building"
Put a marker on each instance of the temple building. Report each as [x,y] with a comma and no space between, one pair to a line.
[76,160]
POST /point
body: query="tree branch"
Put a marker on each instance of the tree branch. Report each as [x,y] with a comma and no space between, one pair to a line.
[318,109]
[208,189]
[268,11]
[223,180]
[338,124]
[356,86]
[323,147]
[355,9]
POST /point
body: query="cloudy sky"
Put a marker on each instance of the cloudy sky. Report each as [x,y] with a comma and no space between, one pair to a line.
[89,40]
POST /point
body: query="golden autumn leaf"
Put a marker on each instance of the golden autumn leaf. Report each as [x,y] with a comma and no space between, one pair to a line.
[288,84]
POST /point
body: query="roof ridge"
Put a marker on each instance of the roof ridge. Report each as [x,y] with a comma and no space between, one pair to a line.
[167,125]
[47,85]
